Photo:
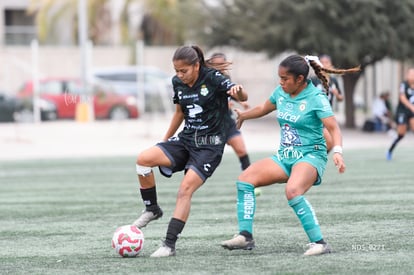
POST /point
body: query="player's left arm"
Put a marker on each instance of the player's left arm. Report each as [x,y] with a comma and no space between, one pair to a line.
[336,91]
[332,126]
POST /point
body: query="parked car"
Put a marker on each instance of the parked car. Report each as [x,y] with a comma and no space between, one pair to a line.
[58,98]
[156,84]
[10,106]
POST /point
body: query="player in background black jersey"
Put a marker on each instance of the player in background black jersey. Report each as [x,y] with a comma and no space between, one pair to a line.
[234,138]
[334,92]
[201,99]
[405,110]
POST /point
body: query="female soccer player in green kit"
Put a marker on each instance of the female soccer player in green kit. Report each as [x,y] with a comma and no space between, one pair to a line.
[302,112]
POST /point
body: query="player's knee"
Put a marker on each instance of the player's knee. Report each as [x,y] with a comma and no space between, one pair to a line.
[291,192]
[185,192]
[142,170]
[248,176]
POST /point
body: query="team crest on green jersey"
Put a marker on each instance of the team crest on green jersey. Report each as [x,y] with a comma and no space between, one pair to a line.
[204,90]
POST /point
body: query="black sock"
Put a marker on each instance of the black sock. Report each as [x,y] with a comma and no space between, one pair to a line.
[395,143]
[247,235]
[321,241]
[244,161]
[174,230]
[149,196]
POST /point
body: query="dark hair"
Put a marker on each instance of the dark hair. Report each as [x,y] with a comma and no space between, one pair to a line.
[222,67]
[189,54]
[297,65]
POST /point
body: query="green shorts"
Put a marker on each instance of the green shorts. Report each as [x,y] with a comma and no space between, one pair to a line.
[286,158]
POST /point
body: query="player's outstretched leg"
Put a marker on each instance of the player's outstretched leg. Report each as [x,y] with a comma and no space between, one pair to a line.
[147,216]
[246,205]
[304,211]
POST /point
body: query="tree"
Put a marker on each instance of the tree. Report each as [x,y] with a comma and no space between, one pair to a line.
[55,17]
[157,22]
[352,32]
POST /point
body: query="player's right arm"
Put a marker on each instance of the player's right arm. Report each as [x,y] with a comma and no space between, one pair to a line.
[176,121]
[256,112]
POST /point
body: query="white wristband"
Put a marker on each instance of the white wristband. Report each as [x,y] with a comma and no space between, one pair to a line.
[337,149]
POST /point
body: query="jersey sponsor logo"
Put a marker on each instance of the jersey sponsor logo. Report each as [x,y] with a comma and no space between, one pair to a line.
[196,127]
[194,109]
[248,205]
[188,96]
[207,167]
[208,140]
[288,116]
[289,153]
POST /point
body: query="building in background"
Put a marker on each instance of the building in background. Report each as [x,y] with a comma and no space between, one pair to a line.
[110,22]
[17,27]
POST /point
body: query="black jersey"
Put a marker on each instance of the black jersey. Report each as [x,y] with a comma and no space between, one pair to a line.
[205,107]
[333,84]
[409,94]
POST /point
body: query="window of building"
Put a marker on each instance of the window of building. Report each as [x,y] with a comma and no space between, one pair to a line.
[19,27]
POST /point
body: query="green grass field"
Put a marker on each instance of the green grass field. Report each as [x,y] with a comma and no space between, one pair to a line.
[58,217]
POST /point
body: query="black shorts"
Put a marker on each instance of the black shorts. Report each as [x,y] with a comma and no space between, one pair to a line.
[203,159]
[403,116]
[232,130]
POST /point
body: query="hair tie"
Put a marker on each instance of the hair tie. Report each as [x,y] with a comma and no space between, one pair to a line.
[313,58]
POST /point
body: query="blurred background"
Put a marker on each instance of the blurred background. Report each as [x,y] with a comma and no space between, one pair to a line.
[89,60]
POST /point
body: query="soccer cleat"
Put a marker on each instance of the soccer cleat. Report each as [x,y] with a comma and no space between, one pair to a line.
[317,249]
[389,156]
[163,251]
[238,242]
[146,217]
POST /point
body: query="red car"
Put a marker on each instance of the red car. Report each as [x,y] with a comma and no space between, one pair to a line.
[58,98]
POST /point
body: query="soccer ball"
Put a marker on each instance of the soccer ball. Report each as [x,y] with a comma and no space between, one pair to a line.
[128,240]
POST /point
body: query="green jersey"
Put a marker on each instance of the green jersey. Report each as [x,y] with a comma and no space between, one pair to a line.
[205,107]
[300,117]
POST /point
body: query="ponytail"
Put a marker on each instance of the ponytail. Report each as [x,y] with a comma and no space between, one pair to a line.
[321,72]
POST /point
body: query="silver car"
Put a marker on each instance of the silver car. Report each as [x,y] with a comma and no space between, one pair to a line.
[132,80]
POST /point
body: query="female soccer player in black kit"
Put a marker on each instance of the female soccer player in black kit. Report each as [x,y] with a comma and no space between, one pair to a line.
[405,110]
[234,137]
[201,97]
